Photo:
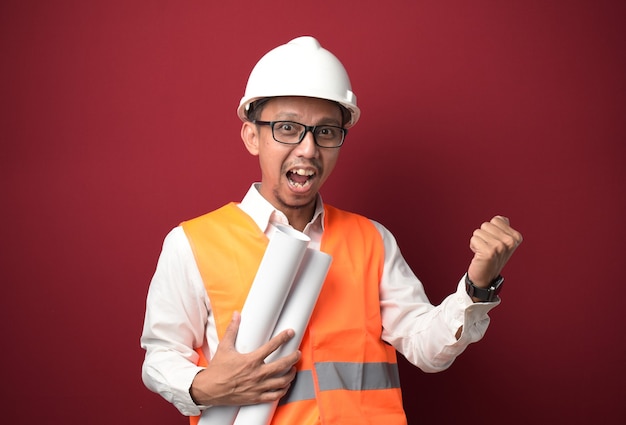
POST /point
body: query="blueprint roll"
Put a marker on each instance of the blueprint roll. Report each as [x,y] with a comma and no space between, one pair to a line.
[295,315]
[219,415]
[260,312]
[270,287]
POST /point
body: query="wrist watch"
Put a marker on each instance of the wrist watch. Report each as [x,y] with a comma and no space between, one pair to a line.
[484,294]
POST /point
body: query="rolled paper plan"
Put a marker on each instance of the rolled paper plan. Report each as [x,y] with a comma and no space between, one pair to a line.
[295,315]
[270,288]
[264,302]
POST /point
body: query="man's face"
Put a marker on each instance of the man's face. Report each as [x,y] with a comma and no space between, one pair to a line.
[292,175]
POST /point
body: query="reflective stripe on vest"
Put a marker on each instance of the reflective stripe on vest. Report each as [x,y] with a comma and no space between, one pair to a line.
[343,376]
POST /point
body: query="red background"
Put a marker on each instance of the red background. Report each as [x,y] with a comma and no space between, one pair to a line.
[118,121]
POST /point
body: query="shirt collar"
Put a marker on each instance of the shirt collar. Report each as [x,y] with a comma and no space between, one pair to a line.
[263,213]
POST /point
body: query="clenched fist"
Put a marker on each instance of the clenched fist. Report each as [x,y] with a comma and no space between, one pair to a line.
[492,244]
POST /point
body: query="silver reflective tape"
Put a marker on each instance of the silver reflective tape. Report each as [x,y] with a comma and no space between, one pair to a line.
[302,388]
[357,376]
[343,376]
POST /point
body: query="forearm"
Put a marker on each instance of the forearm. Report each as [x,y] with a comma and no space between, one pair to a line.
[432,339]
[170,375]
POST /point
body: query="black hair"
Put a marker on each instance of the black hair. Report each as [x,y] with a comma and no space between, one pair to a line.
[256,107]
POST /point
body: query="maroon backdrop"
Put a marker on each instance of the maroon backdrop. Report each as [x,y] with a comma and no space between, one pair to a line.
[118,121]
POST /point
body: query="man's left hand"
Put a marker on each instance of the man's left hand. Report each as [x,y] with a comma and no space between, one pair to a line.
[492,244]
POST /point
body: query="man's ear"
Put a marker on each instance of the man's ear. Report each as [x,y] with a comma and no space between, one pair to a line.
[250,137]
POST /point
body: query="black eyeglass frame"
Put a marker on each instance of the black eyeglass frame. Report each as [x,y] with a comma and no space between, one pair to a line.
[307,128]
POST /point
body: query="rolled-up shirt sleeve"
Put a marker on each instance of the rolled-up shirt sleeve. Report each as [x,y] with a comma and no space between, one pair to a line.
[177,313]
[425,334]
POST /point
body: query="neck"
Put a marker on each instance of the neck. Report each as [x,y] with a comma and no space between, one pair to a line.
[299,217]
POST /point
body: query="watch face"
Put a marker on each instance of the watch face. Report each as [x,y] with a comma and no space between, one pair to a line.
[497,284]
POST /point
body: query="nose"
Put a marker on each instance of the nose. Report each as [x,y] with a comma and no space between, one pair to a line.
[307,147]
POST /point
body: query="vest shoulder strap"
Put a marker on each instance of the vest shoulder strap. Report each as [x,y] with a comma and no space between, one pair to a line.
[230,239]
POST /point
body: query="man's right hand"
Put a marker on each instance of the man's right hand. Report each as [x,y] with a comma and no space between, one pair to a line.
[234,378]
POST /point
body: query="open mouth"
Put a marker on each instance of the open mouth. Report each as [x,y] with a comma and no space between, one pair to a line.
[300,177]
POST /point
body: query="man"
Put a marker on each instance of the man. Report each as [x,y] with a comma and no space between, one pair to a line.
[296,111]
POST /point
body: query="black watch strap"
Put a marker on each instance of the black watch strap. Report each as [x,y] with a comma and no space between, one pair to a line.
[484,294]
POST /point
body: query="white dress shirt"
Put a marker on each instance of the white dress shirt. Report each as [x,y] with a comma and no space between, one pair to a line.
[179,316]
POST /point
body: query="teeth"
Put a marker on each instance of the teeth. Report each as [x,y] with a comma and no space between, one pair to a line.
[302,172]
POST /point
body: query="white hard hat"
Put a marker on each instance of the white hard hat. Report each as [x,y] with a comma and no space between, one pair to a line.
[301,67]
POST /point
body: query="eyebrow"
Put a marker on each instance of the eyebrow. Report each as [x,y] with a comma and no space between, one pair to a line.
[289,116]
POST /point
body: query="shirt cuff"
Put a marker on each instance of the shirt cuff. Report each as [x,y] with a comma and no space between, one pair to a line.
[472,316]
[176,390]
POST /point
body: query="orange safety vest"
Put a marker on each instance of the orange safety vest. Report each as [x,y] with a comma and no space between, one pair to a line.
[347,374]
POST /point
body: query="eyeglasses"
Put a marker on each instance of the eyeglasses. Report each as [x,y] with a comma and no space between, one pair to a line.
[292,133]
